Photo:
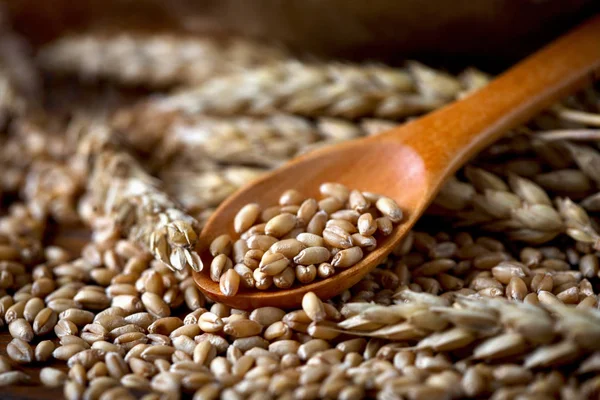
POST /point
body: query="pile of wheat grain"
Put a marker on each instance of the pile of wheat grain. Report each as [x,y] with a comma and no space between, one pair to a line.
[498,302]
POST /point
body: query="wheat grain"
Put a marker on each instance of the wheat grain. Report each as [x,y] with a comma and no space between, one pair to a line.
[408,342]
[281,251]
[20,351]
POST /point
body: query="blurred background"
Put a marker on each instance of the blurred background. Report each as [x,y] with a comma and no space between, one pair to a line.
[491,33]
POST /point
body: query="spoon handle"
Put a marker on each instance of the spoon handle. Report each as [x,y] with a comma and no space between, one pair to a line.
[447,138]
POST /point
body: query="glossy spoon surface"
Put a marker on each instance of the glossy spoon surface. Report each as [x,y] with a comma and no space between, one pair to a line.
[411,162]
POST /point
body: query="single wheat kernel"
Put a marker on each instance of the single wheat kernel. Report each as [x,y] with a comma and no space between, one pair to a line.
[330,205]
[242,328]
[384,225]
[156,352]
[65,327]
[288,247]
[21,329]
[336,190]
[285,279]
[155,305]
[310,240]
[13,378]
[325,270]
[269,213]
[15,311]
[277,330]
[221,245]
[589,265]
[307,210]
[366,225]
[128,303]
[219,265]
[52,377]
[313,307]
[246,217]
[306,274]
[348,257]
[262,280]
[261,242]
[291,197]
[516,289]
[165,326]
[252,258]
[109,322]
[43,350]
[283,347]
[336,237]
[66,351]
[254,230]
[280,225]
[246,275]
[389,208]
[317,223]
[341,223]
[20,351]
[92,333]
[369,243]
[73,390]
[79,317]
[265,316]
[358,202]
[32,308]
[273,263]
[240,247]
[312,255]
[229,283]
[346,215]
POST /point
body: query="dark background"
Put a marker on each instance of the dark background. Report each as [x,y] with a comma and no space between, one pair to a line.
[488,33]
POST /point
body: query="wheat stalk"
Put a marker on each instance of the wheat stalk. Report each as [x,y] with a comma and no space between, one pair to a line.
[153,60]
[489,329]
[319,89]
[147,123]
[198,191]
[520,208]
[254,141]
[477,335]
[142,211]
[483,317]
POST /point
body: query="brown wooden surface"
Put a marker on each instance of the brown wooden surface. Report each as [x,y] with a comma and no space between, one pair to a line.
[411,162]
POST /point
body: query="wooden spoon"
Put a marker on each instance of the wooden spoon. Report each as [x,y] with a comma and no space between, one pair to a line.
[411,162]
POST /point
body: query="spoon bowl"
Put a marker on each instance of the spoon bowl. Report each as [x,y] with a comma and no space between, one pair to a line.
[408,163]
[352,164]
